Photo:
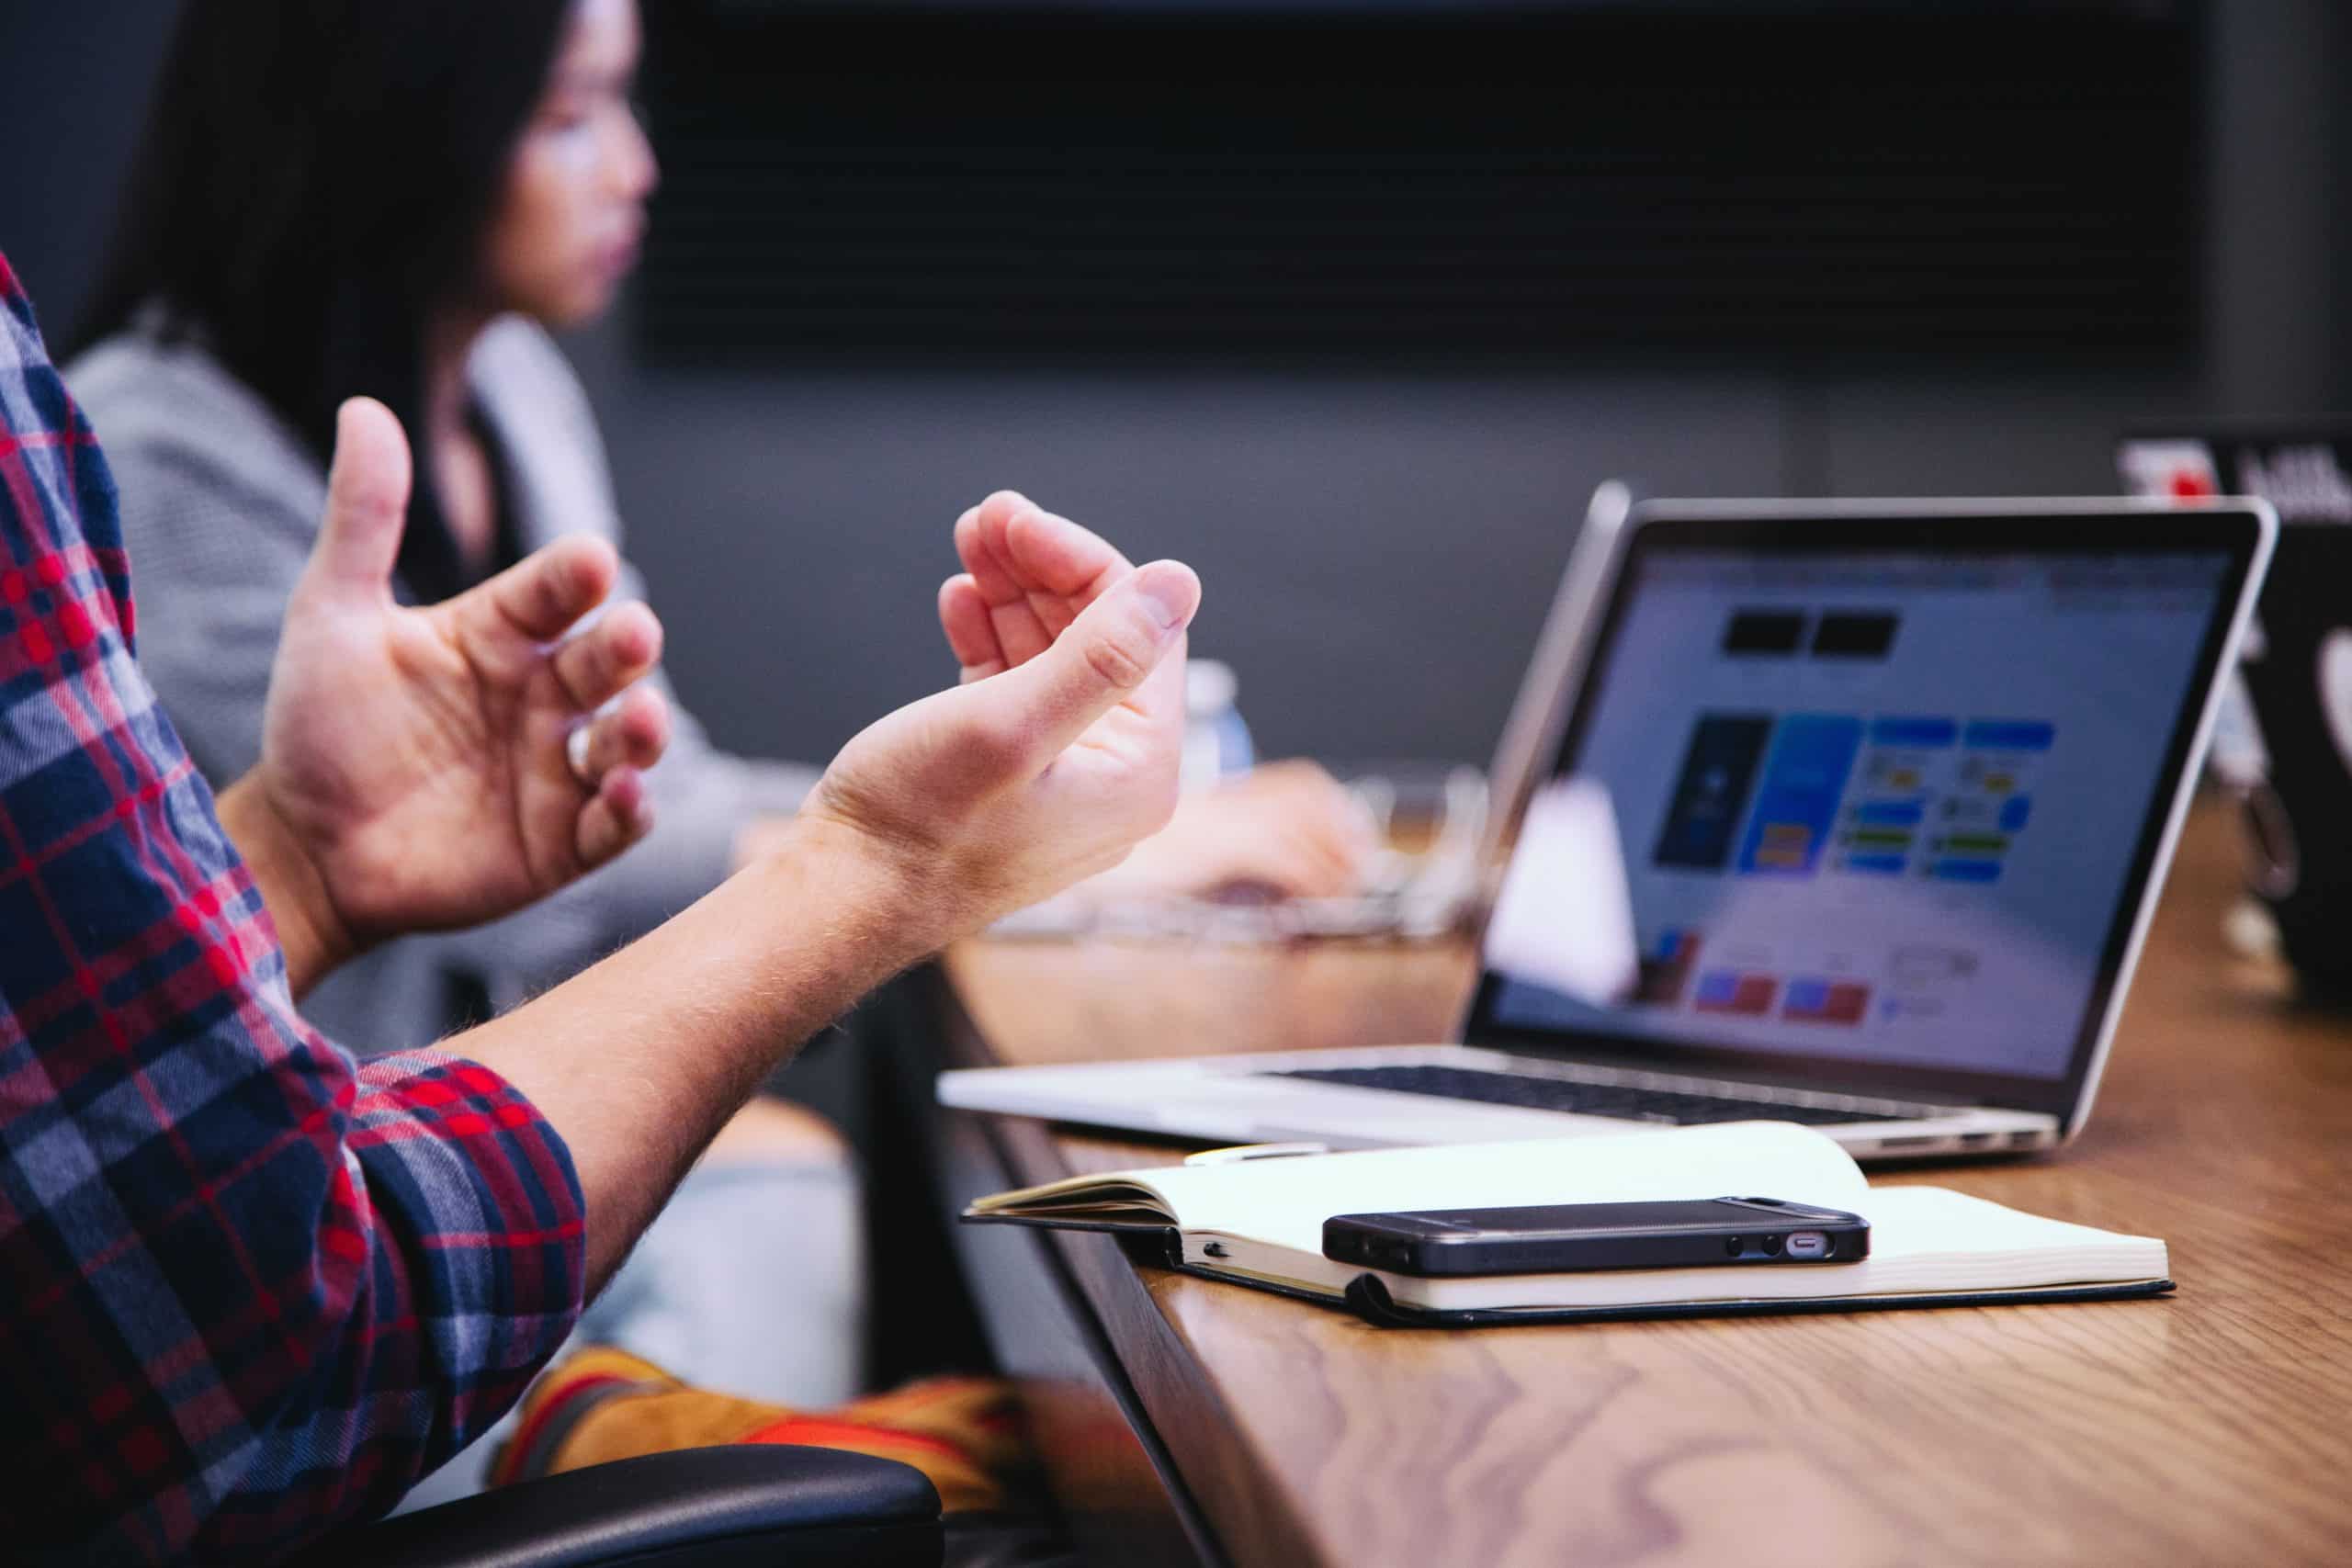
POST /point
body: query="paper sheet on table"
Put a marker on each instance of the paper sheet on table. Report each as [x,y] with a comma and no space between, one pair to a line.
[1564,918]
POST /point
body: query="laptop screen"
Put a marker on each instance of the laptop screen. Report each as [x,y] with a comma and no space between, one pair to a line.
[1880,803]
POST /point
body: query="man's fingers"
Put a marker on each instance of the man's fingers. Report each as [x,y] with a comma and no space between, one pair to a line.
[1033,570]
[367,494]
[621,814]
[1103,658]
[963,616]
[1012,619]
[1060,567]
[601,662]
[541,596]
[1059,556]
[634,735]
[993,576]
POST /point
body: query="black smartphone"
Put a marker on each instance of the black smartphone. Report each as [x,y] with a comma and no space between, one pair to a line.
[1554,1238]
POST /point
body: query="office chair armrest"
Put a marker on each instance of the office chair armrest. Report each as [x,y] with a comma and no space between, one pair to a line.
[776,1505]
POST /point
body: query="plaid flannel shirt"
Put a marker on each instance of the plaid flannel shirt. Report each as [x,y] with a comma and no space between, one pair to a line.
[249,1289]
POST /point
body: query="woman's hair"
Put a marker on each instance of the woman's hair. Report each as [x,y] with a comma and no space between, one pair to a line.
[315,179]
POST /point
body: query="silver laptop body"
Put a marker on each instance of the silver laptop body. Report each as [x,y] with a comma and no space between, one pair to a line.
[1893,787]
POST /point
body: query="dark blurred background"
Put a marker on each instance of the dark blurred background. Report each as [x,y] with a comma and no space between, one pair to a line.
[1351,303]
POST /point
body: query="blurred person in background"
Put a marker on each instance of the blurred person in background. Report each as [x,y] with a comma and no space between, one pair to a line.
[333,198]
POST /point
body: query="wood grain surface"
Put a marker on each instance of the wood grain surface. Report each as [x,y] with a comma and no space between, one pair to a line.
[2214,1427]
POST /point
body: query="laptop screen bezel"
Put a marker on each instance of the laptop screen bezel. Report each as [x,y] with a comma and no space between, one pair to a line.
[2040,529]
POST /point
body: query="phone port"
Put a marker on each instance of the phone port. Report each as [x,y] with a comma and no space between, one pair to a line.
[1808,1245]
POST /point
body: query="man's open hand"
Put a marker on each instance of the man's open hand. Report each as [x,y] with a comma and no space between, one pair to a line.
[422,763]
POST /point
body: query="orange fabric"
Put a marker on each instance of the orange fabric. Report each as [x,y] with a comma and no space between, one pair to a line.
[961,1432]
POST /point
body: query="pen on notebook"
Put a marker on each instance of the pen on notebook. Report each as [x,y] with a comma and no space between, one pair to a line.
[1241,1152]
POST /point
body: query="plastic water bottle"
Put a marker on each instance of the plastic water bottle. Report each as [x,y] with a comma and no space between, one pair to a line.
[1216,741]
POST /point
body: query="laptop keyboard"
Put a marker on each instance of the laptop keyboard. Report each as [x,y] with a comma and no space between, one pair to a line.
[1589,1098]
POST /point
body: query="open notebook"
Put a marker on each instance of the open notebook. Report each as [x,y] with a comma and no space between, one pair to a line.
[1260,1222]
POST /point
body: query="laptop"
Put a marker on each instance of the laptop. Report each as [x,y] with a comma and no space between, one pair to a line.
[1891,788]
[2282,744]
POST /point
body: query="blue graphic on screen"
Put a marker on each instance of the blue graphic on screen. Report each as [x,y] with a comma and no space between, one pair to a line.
[1924,734]
[1812,754]
[2010,735]
[1711,790]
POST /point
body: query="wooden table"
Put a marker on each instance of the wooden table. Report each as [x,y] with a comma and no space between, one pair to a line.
[1185,1420]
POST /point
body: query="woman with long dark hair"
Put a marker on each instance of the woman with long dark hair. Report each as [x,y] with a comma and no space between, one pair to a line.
[337,196]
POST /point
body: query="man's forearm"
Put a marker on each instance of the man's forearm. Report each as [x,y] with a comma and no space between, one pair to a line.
[307,926]
[638,1061]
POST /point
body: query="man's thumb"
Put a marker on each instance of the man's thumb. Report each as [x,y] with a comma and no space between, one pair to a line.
[1105,656]
[368,493]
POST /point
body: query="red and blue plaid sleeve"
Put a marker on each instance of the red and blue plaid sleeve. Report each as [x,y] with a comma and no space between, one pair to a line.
[249,1289]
